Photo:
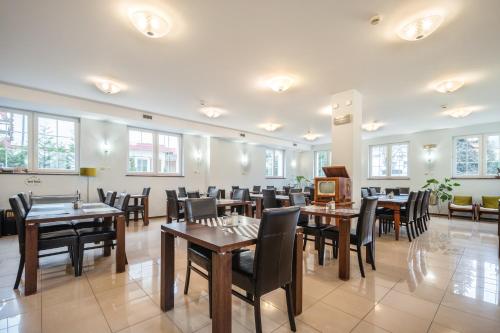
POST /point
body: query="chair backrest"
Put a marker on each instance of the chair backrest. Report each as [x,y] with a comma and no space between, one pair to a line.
[122,201]
[256,188]
[393,190]
[297,199]
[286,189]
[269,198]
[235,187]
[425,202]
[25,200]
[295,190]
[270,187]
[366,220]
[364,192]
[210,188]
[418,204]
[404,190]
[100,192]
[238,194]
[110,198]
[20,215]
[372,191]
[213,193]
[194,194]
[272,266]
[172,204]
[410,206]
[182,192]
[145,191]
[204,208]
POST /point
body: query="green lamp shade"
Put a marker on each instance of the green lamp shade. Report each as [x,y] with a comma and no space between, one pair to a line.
[89,172]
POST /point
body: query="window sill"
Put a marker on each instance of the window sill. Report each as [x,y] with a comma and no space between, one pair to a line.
[150,175]
[42,173]
[388,178]
[275,177]
[491,177]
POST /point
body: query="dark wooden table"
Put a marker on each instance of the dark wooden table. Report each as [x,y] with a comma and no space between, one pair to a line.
[395,204]
[247,205]
[284,200]
[221,243]
[145,198]
[45,213]
[343,217]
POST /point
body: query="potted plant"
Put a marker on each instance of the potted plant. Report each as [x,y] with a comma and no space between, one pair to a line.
[440,191]
[300,180]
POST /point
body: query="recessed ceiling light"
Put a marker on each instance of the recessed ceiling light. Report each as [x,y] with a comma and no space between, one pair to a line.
[371,127]
[449,86]
[458,113]
[149,23]
[311,136]
[335,106]
[107,86]
[327,110]
[212,112]
[280,83]
[270,127]
[420,27]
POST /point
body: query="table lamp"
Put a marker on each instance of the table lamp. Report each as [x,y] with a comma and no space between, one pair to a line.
[88,172]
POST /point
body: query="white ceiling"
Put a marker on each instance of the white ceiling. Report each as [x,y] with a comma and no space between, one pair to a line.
[219,50]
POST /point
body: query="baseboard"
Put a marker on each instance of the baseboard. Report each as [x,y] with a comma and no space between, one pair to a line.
[467,218]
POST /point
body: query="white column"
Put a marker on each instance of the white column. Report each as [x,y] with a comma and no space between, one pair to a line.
[346,138]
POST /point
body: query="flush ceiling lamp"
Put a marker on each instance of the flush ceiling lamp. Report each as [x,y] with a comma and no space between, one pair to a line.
[270,127]
[449,86]
[311,136]
[372,127]
[420,27]
[458,113]
[211,112]
[107,86]
[150,24]
[280,83]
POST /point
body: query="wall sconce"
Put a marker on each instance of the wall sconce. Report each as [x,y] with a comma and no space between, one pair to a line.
[293,164]
[197,157]
[244,161]
[429,155]
[106,147]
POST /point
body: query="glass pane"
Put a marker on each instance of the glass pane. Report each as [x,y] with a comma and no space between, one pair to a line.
[378,167]
[492,155]
[140,151]
[278,163]
[13,140]
[169,153]
[269,162]
[467,152]
[321,160]
[399,160]
[56,144]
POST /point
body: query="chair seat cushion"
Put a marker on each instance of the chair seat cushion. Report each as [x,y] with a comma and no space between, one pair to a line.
[138,207]
[88,223]
[461,207]
[57,234]
[489,210]
[462,200]
[490,201]
[101,230]
[200,256]
[242,265]
[54,226]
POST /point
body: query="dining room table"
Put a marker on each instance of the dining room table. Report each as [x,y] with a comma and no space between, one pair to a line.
[145,199]
[221,240]
[58,212]
[221,203]
[395,203]
[283,200]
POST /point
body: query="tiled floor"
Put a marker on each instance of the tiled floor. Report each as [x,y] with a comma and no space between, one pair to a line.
[446,281]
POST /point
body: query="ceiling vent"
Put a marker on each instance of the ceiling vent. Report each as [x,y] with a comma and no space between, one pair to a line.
[147,116]
[243,135]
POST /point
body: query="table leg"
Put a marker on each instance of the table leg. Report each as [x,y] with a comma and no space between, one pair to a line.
[31,260]
[297,274]
[344,249]
[258,208]
[248,210]
[221,292]
[107,248]
[145,217]
[136,213]
[120,244]
[397,219]
[167,277]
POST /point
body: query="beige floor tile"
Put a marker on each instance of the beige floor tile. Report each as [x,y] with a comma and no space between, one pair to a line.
[103,281]
[325,318]
[301,328]
[235,327]
[394,320]
[191,316]
[24,304]
[64,289]
[410,304]
[424,291]
[348,302]
[272,317]
[436,328]
[475,301]
[23,323]
[465,322]
[369,291]
[125,313]
[277,298]
[366,327]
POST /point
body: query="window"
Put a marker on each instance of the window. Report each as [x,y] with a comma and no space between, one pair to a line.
[153,152]
[274,163]
[389,160]
[38,142]
[476,155]
[321,158]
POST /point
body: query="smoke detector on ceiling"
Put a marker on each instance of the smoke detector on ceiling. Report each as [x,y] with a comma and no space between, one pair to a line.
[375,20]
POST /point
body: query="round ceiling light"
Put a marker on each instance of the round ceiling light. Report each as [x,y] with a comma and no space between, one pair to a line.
[270,127]
[311,136]
[150,24]
[449,86]
[458,113]
[420,27]
[212,112]
[371,127]
[280,83]
[107,86]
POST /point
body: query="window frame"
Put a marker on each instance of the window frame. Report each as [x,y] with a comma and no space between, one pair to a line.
[274,150]
[484,149]
[389,160]
[315,154]
[155,165]
[31,134]
[482,164]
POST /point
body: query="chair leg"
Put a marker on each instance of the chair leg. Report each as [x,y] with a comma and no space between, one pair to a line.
[75,258]
[371,256]
[379,227]
[408,231]
[256,309]
[305,243]
[335,243]
[360,261]
[289,305]
[321,250]
[19,272]
[412,226]
[188,275]
[70,251]
[81,247]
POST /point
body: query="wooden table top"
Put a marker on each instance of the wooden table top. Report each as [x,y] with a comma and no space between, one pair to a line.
[139,196]
[221,202]
[398,199]
[278,197]
[65,212]
[345,213]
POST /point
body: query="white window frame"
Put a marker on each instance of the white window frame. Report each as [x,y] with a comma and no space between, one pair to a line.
[274,150]
[482,167]
[155,166]
[389,160]
[316,152]
[30,135]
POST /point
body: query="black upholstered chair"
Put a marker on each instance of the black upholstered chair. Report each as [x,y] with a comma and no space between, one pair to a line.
[365,192]
[407,217]
[105,232]
[270,187]
[174,211]
[286,190]
[372,191]
[363,235]
[269,198]
[100,193]
[256,189]
[139,208]
[404,190]
[25,200]
[46,240]
[209,189]
[393,190]
[44,227]
[200,209]
[193,195]
[242,194]
[418,212]
[425,208]
[295,190]
[182,192]
[213,193]
[109,199]
[270,266]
